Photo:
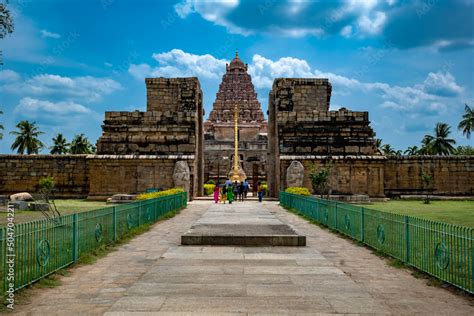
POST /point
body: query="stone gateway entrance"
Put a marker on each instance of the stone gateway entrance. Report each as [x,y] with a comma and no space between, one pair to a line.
[139,150]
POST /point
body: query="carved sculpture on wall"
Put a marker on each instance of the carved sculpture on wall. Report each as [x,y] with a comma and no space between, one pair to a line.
[181,176]
[294,174]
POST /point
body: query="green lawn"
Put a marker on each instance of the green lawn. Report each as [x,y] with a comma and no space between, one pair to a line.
[454,212]
[64,207]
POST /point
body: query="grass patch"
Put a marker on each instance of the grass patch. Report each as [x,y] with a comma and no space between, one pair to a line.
[390,261]
[64,206]
[453,212]
[53,280]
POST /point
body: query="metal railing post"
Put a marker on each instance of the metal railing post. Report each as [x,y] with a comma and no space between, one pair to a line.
[114,221]
[75,237]
[407,240]
[362,224]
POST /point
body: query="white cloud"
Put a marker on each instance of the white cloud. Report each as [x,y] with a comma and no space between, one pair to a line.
[298,32]
[177,63]
[425,96]
[373,23]
[264,70]
[296,6]
[48,34]
[8,75]
[212,11]
[442,83]
[33,107]
[346,31]
[87,88]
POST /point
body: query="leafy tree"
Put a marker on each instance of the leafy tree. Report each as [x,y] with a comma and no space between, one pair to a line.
[320,179]
[467,122]
[439,144]
[411,151]
[426,180]
[27,138]
[81,145]
[46,187]
[60,145]
[6,22]
[1,128]
[465,150]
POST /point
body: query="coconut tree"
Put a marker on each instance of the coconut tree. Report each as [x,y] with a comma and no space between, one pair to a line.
[60,145]
[440,144]
[388,150]
[411,151]
[81,145]
[465,150]
[378,143]
[467,122]
[27,138]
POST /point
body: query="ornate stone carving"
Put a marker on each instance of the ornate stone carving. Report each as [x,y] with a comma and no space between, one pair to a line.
[295,174]
[181,176]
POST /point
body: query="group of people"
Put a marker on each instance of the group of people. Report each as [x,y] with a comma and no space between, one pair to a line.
[231,191]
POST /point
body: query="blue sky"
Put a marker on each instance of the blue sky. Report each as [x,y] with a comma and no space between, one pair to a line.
[409,63]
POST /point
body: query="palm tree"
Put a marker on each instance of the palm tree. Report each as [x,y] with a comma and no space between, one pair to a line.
[27,138]
[60,145]
[80,145]
[411,151]
[388,150]
[1,128]
[440,144]
[465,150]
[378,142]
[467,122]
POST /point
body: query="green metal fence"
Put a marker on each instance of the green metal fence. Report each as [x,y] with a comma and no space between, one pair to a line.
[43,246]
[443,250]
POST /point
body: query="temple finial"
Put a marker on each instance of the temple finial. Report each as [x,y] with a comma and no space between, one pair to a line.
[236,53]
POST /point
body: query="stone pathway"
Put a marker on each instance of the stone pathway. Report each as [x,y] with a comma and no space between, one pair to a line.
[153,274]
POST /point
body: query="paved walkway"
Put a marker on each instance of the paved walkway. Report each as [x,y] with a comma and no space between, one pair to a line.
[153,274]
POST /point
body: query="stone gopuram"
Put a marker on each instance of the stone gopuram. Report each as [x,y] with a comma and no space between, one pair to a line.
[236,89]
[144,147]
[301,128]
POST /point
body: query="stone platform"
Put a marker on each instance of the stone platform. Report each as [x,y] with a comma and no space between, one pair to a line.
[241,224]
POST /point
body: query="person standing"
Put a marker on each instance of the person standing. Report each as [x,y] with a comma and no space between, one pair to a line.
[230,194]
[260,191]
[241,191]
[216,193]
[224,193]
[246,188]
[235,188]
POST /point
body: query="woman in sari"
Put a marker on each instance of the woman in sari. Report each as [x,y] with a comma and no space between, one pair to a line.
[216,193]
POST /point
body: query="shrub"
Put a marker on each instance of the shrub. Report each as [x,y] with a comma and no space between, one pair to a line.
[211,182]
[152,195]
[298,190]
[209,188]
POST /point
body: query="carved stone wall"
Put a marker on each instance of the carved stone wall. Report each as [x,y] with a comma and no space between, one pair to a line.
[452,175]
[112,174]
[349,175]
[300,124]
[20,173]
[172,125]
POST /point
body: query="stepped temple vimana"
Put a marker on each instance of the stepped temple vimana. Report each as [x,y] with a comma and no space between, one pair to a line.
[172,144]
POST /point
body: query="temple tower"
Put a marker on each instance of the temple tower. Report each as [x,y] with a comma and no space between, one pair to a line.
[236,88]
